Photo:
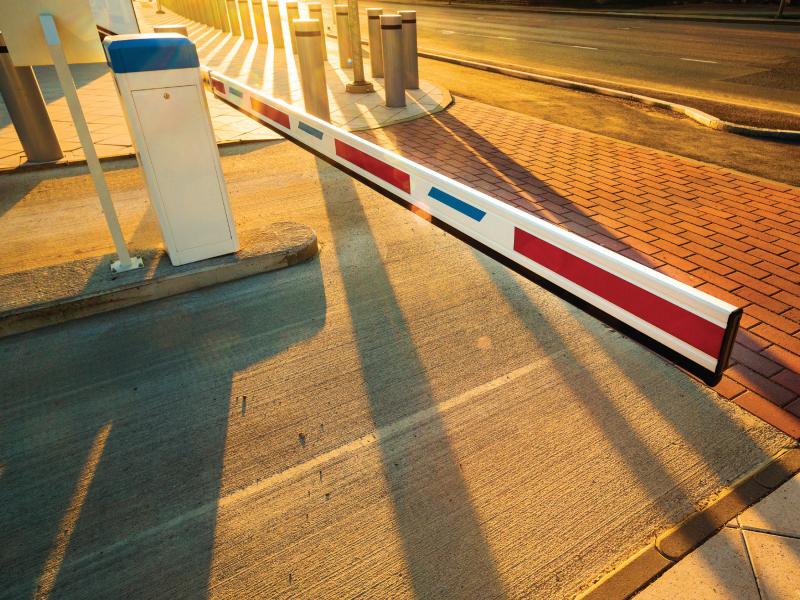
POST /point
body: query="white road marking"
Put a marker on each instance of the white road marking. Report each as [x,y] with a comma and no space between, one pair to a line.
[312,465]
[491,37]
[711,62]
[583,47]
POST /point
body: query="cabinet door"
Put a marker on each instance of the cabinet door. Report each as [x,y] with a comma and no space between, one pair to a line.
[183,157]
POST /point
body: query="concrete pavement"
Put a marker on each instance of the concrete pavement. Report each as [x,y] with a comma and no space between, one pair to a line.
[400,416]
[733,235]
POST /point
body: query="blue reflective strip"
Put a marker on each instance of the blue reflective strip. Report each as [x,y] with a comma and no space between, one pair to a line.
[310,130]
[149,52]
[235,92]
[456,204]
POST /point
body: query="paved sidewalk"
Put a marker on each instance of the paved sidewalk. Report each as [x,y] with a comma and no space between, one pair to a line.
[106,121]
[276,72]
[755,557]
[732,235]
[256,64]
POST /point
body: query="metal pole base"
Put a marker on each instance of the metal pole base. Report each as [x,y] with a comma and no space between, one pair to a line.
[118,267]
[360,87]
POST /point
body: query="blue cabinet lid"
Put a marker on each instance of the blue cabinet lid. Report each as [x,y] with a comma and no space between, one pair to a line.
[149,52]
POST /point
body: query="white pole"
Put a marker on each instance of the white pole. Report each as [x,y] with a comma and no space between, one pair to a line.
[125,262]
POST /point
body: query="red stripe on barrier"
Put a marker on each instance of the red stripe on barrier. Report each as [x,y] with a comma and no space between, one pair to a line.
[387,172]
[677,321]
[218,85]
[272,114]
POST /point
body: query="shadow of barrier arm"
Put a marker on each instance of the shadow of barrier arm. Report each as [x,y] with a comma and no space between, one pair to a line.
[686,325]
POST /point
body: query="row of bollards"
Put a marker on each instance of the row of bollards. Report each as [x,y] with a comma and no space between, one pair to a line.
[392,42]
[393,52]
[393,55]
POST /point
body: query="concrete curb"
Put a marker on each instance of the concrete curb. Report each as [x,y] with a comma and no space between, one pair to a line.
[608,13]
[273,247]
[672,545]
[26,166]
[696,115]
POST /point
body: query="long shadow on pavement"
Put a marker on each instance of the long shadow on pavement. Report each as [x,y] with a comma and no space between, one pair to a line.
[113,430]
[545,202]
[683,410]
[440,533]
[681,405]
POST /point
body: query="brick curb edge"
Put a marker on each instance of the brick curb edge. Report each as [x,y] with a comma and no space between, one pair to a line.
[670,546]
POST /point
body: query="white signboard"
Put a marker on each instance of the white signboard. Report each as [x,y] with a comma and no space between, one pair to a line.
[22,31]
[115,16]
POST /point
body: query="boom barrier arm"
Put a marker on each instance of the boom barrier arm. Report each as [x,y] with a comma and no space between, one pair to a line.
[687,325]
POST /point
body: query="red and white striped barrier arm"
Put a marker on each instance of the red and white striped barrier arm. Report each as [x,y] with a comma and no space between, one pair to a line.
[697,329]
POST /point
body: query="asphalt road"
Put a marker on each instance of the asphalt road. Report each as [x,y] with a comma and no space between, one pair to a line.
[756,65]
[398,417]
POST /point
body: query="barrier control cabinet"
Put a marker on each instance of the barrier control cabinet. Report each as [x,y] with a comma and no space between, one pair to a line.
[159,83]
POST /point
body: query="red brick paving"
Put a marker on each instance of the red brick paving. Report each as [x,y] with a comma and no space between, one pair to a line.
[733,235]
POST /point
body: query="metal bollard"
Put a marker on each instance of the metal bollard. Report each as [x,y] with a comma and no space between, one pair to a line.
[205,10]
[410,65]
[223,15]
[343,36]
[181,29]
[233,15]
[211,15]
[292,13]
[312,68]
[247,25]
[23,98]
[261,24]
[217,15]
[375,46]
[315,12]
[392,41]
[275,23]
